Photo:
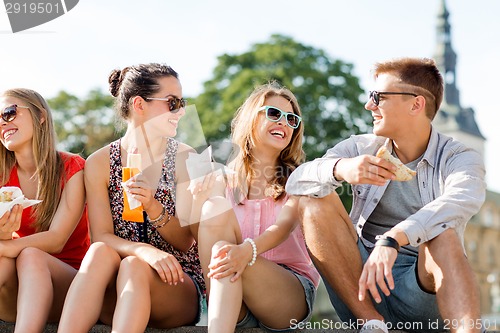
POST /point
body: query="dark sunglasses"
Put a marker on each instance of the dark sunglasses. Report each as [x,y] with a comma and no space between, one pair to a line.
[274,114]
[375,95]
[10,112]
[174,103]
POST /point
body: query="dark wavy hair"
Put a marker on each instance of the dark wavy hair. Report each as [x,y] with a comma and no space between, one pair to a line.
[140,80]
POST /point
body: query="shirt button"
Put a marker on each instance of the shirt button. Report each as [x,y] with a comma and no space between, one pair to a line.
[375,200]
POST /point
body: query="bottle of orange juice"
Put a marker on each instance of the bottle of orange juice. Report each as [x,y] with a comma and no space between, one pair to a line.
[133,168]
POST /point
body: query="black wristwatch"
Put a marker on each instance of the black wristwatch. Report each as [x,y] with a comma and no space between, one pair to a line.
[383,240]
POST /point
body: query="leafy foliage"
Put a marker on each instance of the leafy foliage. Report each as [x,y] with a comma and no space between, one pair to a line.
[84,125]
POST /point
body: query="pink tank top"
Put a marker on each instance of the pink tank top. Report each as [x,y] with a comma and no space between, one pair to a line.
[255,216]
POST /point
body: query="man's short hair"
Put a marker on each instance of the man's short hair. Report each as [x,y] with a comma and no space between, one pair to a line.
[419,74]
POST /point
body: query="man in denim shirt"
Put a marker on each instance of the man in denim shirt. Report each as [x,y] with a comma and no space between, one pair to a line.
[427,284]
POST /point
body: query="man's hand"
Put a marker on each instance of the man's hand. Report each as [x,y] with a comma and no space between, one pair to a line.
[378,271]
[364,169]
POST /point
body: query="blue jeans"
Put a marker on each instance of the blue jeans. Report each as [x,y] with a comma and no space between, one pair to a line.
[201,298]
[408,307]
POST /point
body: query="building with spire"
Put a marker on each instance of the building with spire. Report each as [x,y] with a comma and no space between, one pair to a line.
[482,237]
[453,119]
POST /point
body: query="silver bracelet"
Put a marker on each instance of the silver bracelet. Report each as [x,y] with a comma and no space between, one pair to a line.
[254,251]
[160,217]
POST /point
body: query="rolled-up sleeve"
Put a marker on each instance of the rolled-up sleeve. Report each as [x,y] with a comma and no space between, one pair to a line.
[313,178]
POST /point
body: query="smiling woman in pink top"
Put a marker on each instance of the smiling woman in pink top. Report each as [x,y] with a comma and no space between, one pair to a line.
[260,272]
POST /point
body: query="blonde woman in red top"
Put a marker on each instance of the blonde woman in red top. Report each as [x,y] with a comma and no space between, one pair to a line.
[41,247]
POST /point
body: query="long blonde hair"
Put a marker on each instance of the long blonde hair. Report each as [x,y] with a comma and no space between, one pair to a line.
[49,165]
[242,136]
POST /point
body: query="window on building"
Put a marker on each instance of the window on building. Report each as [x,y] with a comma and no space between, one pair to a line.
[488,217]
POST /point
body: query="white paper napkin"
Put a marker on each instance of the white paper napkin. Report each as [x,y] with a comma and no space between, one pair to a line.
[200,165]
[17,199]
[132,202]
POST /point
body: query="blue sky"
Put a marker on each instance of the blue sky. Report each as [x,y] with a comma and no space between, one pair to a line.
[77,51]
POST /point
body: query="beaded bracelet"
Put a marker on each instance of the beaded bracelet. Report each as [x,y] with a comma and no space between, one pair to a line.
[254,251]
[160,217]
[159,225]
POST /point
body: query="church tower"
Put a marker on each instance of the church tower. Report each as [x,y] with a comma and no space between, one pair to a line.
[452,119]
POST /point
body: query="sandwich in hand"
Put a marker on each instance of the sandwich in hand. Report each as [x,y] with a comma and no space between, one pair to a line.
[403,173]
[6,196]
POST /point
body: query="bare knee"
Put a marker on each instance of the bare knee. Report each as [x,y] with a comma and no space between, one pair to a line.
[30,257]
[216,247]
[100,255]
[320,209]
[132,266]
[100,249]
[215,212]
[440,256]
[446,248]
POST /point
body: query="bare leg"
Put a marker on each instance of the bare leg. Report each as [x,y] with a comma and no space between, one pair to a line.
[331,239]
[8,289]
[43,283]
[285,297]
[218,222]
[279,285]
[443,268]
[86,295]
[143,297]
[218,227]
[226,299]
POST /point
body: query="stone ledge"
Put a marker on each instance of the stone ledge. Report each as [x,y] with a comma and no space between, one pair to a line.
[52,328]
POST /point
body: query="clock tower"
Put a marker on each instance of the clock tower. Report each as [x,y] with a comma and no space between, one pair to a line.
[453,119]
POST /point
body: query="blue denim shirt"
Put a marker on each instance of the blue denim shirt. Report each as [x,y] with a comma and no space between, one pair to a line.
[450,179]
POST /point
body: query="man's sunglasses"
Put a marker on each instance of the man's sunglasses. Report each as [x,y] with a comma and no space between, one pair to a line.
[375,95]
[274,114]
[10,112]
[174,103]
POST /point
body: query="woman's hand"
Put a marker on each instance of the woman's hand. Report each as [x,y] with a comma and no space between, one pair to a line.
[10,222]
[201,190]
[140,189]
[230,259]
[165,264]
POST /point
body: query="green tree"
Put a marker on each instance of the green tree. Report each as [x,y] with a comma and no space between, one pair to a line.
[84,125]
[327,90]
